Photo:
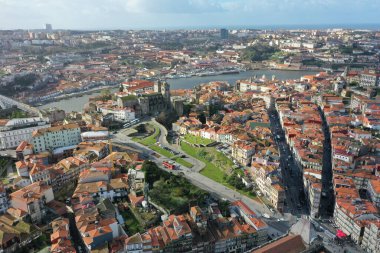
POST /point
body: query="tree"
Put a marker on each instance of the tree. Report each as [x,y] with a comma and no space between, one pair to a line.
[105,92]
[258,52]
[187,108]
[18,114]
[235,181]
[353,83]
[202,118]
[106,95]
[141,128]
[153,173]
[166,118]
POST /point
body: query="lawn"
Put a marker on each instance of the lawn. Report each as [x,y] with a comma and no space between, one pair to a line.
[210,170]
[150,140]
[161,151]
[169,155]
[197,140]
[183,162]
[214,161]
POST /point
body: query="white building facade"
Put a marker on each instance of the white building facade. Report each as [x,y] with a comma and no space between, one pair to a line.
[125,114]
[56,137]
[17,130]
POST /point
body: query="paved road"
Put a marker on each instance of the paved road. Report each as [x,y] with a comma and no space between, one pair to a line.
[290,170]
[326,208]
[197,165]
[334,245]
[216,189]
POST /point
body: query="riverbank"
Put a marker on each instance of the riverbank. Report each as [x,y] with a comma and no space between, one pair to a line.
[76,103]
[76,94]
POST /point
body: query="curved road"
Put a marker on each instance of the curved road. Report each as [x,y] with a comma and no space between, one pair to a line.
[197,165]
[192,174]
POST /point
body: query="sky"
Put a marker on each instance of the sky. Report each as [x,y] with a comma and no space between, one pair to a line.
[151,14]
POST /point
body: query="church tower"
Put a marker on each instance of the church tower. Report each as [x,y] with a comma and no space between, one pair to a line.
[165,91]
[157,86]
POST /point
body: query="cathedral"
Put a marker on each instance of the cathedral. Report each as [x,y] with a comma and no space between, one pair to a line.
[145,97]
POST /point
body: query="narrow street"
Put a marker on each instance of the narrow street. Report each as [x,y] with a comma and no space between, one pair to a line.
[75,235]
[326,207]
[291,172]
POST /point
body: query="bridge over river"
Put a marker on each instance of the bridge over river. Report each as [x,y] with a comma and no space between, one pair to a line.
[6,102]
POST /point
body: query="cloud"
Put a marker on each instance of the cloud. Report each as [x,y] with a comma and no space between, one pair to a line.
[83,14]
[173,6]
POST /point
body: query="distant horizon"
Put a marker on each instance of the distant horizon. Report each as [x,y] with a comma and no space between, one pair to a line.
[175,14]
[321,26]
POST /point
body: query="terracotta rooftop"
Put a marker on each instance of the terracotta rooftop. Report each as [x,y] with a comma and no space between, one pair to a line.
[287,244]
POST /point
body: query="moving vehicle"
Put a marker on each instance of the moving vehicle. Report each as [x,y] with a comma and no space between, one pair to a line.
[168,164]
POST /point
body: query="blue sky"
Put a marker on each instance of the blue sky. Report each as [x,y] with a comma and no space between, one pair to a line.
[125,14]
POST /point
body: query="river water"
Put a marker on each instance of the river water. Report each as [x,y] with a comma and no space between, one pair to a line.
[77,103]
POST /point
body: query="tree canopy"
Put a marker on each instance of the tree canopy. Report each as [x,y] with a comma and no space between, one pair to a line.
[258,52]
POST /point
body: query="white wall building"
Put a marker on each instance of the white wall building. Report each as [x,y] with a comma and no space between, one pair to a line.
[313,189]
[125,114]
[371,237]
[56,137]
[14,131]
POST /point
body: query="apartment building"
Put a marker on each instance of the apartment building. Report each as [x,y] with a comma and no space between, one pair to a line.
[14,131]
[16,233]
[267,179]
[95,229]
[91,151]
[23,149]
[371,237]
[241,209]
[40,172]
[373,190]
[138,87]
[97,184]
[124,114]
[201,230]
[134,244]
[369,78]
[61,238]
[70,168]
[184,124]
[243,151]
[312,180]
[32,199]
[56,137]
[351,216]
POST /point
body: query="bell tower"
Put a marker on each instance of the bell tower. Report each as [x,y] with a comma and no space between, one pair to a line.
[165,91]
